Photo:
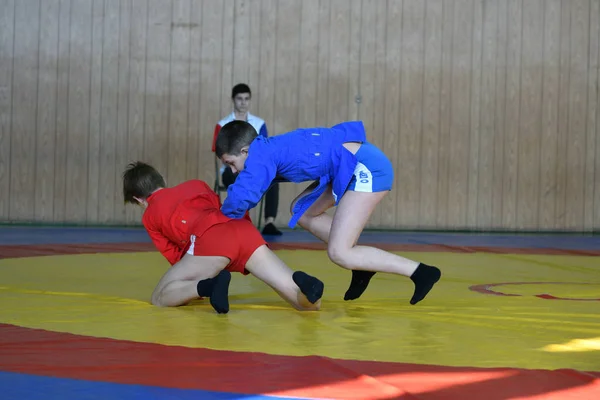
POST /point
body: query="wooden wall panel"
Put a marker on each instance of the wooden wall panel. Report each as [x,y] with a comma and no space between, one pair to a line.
[137,77]
[338,78]
[390,89]
[62,112]
[550,115]
[78,112]
[157,90]
[308,57]
[410,112]
[474,114]
[593,86]
[487,115]
[7,35]
[96,119]
[194,132]
[225,40]
[46,106]
[209,85]
[595,64]
[355,34]
[460,106]
[577,98]
[179,89]
[322,75]
[443,149]
[488,109]
[430,113]
[528,141]
[24,104]
[512,112]
[561,174]
[501,69]
[123,106]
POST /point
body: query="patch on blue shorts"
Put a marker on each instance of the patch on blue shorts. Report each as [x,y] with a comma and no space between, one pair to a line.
[374,172]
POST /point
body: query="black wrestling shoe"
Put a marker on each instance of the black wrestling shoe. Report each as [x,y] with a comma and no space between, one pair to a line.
[270,229]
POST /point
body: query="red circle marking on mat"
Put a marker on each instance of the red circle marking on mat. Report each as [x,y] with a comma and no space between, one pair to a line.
[486,289]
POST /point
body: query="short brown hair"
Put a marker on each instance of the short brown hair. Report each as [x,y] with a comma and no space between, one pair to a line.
[233,136]
[140,180]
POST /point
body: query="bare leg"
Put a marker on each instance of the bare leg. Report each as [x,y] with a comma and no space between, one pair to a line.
[352,214]
[266,266]
[314,219]
[342,233]
[319,224]
[179,284]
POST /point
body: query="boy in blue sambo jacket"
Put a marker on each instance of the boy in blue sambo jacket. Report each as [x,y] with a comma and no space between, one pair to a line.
[348,172]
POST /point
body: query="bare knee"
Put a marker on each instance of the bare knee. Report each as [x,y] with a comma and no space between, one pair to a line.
[340,256]
[156,300]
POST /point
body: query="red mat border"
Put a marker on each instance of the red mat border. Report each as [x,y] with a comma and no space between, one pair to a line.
[66,355]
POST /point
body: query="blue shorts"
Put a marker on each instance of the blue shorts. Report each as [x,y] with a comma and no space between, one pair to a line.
[374,171]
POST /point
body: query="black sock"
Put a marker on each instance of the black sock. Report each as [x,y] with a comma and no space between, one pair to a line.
[424,277]
[220,295]
[358,284]
[205,287]
[310,286]
[217,289]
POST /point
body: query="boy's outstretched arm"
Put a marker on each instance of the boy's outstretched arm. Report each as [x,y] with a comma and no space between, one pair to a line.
[249,187]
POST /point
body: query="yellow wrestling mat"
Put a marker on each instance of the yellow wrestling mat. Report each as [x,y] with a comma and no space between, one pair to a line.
[106,295]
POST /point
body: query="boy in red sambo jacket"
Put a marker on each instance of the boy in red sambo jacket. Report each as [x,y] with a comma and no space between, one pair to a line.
[204,246]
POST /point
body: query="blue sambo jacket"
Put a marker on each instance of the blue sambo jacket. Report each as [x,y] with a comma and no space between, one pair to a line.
[306,154]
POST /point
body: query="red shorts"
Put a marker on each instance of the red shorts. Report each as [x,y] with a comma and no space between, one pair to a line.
[237,240]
